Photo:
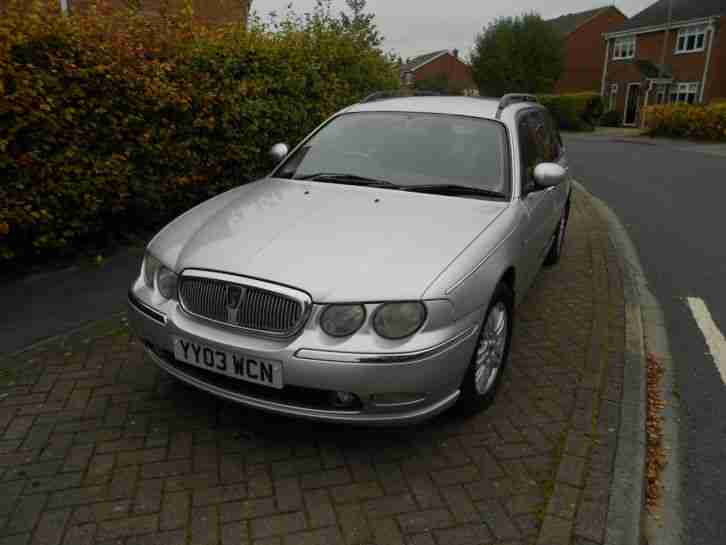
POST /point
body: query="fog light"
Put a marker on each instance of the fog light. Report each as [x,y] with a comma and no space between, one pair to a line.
[343,399]
[396,398]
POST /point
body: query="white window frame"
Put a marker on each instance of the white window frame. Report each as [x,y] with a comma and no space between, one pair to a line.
[624,48]
[694,32]
[680,92]
[613,97]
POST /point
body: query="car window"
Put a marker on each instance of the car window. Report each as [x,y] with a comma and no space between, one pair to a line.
[531,146]
[552,141]
[408,149]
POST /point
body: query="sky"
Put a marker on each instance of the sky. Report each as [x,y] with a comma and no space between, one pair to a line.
[413,27]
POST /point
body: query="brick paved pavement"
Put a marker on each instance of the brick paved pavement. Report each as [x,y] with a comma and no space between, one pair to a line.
[97,446]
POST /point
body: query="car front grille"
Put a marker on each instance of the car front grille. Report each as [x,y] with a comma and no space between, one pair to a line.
[237,303]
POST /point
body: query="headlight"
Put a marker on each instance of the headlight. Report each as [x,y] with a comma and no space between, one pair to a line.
[166,282]
[151,266]
[159,277]
[342,320]
[399,320]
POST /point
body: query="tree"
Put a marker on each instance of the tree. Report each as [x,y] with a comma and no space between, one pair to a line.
[361,23]
[517,54]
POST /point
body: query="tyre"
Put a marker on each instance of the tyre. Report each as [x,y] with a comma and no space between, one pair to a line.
[489,360]
[558,243]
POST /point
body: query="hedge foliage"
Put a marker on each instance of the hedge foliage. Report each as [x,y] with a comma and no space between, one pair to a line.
[110,121]
[687,121]
[576,111]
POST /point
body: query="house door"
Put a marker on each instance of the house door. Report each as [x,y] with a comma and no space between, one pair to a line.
[632,104]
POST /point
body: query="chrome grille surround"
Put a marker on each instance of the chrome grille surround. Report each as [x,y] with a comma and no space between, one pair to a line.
[265,308]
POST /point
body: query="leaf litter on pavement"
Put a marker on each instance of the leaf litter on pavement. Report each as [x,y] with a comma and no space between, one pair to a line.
[655,458]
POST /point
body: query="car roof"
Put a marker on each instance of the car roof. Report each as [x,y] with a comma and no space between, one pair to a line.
[485,108]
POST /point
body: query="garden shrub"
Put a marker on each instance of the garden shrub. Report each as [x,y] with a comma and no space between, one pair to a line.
[611,118]
[110,122]
[687,121]
[576,111]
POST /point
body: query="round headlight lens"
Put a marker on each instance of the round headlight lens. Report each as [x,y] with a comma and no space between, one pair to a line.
[342,320]
[166,282]
[151,267]
[399,320]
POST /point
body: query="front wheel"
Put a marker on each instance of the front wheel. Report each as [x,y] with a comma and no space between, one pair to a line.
[485,371]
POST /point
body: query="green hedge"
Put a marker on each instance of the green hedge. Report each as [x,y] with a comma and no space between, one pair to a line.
[574,112]
[694,121]
[110,122]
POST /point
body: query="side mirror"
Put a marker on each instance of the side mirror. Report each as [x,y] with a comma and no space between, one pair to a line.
[278,152]
[549,174]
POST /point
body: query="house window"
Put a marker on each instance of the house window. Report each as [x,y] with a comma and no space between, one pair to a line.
[691,39]
[686,93]
[624,48]
[613,96]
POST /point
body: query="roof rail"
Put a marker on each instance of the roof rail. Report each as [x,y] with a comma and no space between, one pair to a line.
[382,95]
[514,98]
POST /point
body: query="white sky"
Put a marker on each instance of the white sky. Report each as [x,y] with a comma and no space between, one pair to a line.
[413,27]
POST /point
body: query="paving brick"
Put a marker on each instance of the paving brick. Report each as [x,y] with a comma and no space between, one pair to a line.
[81,534]
[261,507]
[205,528]
[26,514]
[555,531]
[460,504]
[319,509]
[277,525]
[386,532]
[78,458]
[50,527]
[288,494]
[325,536]
[353,524]
[425,521]
[17,539]
[175,510]
[191,482]
[469,534]
[571,470]
[40,469]
[132,526]
[389,506]
[99,469]
[497,520]
[235,533]
[146,456]
[330,477]
[123,482]
[56,482]
[166,469]
[464,474]
[18,427]
[356,492]
[591,520]
[219,494]
[148,496]
[174,537]
[563,501]
[76,496]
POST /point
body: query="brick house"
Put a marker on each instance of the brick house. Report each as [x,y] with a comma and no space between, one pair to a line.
[208,11]
[584,47]
[674,51]
[445,65]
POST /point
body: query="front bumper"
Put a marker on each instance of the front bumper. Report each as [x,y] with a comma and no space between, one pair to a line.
[431,375]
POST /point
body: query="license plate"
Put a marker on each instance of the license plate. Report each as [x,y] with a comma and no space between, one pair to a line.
[232,364]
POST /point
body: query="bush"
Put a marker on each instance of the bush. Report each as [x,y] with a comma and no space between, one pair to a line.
[687,121]
[611,118]
[110,122]
[574,112]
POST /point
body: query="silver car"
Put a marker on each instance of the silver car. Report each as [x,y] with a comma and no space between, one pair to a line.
[372,276]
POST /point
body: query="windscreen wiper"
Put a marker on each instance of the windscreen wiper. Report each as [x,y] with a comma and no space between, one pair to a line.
[453,189]
[352,179]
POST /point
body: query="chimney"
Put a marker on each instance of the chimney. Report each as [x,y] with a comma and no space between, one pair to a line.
[455,52]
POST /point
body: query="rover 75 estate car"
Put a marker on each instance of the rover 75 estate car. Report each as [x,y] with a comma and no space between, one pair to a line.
[371,277]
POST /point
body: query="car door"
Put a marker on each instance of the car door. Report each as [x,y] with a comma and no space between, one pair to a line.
[537,203]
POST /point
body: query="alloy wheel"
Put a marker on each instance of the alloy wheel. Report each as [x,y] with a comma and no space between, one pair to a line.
[492,344]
